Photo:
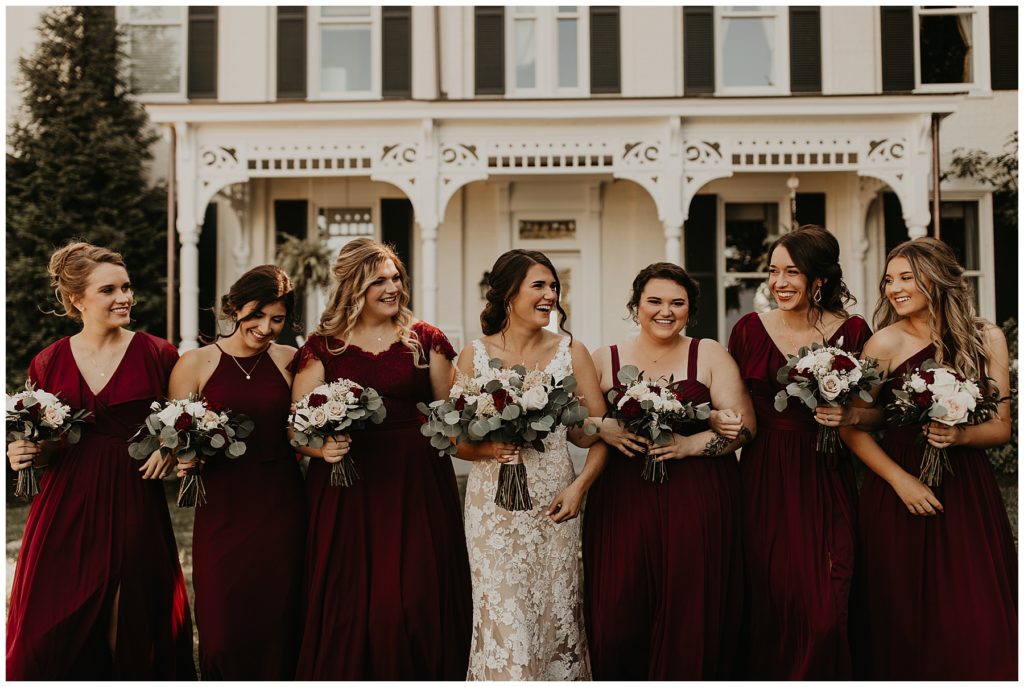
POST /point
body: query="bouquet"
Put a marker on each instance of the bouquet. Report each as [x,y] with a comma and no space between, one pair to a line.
[191,428]
[331,409]
[653,410]
[507,405]
[829,375]
[37,415]
[939,394]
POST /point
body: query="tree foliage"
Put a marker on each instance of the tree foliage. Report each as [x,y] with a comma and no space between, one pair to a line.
[997,171]
[76,169]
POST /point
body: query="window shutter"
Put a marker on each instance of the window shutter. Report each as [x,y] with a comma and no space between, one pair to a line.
[202,52]
[604,50]
[396,47]
[805,49]
[489,44]
[291,52]
[700,260]
[1002,37]
[897,49]
[699,50]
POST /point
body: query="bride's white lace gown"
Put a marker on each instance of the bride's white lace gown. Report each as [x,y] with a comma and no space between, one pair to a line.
[527,608]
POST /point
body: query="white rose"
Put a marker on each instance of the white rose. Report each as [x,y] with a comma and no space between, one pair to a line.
[317,416]
[971,388]
[830,386]
[807,362]
[12,401]
[854,375]
[957,407]
[211,420]
[335,410]
[54,416]
[651,396]
[917,384]
[45,398]
[945,383]
[170,414]
[535,398]
[196,409]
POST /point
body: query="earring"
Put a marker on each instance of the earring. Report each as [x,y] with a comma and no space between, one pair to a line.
[817,296]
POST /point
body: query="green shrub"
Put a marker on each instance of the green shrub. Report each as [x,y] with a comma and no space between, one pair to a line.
[1004,458]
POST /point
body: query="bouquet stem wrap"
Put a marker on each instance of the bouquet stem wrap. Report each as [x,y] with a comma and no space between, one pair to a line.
[513,493]
[933,462]
[654,471]
[191,492]
[827,444]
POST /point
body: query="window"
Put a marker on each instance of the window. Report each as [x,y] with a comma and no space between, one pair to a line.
[945,45]
[344,44]
[156,39]
[341,225]
[752,46]
[547,51]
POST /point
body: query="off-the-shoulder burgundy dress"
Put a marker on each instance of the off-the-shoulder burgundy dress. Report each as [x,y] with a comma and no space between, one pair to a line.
[799,524]
[388,593]
[662,563]
[935,598]
[249,538]
[98,532]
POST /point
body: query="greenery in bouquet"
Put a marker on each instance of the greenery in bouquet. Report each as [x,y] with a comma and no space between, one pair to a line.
[191,429]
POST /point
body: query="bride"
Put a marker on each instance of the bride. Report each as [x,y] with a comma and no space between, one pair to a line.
[527,613]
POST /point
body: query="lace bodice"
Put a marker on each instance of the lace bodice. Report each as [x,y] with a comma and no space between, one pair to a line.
[527,613]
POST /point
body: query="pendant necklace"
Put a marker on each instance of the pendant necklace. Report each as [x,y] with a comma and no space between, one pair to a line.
[247,373]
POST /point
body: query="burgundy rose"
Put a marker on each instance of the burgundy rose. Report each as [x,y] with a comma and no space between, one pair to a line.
[317,400]
[20,405]
[357,391]
[841,363]
[793,375]
[214,406]
[928,376]
[501,399]
[630,409]
[680,396]
[460,403]
[183,422]
[923,399]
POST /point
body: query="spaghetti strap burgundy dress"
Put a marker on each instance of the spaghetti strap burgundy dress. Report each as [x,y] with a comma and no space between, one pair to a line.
[97,532]
[798,524]
[388,592]
[662,563]
[935,597]
[250,536]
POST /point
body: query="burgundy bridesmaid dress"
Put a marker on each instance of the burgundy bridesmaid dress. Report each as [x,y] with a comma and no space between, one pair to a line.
[798,524]
[250,536]
[388,593]
[662,564]
[98,532]
[935,597]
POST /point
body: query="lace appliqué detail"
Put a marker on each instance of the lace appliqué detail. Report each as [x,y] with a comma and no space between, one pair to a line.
[527,609]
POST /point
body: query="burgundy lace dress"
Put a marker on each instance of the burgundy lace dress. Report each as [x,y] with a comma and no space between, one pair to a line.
[250,536]
[388,593]
[662,563]
[798,525]
[935,597]
[97,531]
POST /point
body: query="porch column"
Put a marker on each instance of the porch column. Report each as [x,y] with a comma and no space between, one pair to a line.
[673,242]
[428,281]
[188,226]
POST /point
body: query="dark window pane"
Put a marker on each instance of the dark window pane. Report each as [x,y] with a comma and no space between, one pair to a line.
[749,229]
[946,49]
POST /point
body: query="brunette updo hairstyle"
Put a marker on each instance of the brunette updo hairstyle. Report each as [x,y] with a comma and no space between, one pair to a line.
[671,272]
[503,282]
[69,271]
[815,252]
[264,284]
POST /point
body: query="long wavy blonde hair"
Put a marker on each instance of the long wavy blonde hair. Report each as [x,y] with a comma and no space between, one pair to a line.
[950,302]
[356,267]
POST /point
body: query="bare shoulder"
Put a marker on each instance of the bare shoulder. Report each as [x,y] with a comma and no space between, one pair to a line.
[602,356]
[282,354]
[713,350]
[887,343]
[994,338]
[199,358]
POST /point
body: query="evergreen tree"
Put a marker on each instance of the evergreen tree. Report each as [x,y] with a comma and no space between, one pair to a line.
[76,170]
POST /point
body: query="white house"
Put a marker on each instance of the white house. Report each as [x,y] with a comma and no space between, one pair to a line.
[607,137]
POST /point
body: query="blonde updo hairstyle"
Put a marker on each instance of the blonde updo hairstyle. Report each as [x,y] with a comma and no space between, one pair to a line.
[69,271]
[355,268]
[951,312]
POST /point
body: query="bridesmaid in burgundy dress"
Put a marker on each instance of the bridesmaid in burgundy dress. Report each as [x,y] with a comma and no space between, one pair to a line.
[388,593]
[98,592]
[249,537]
[663,562]
[936,585]
[798,508]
